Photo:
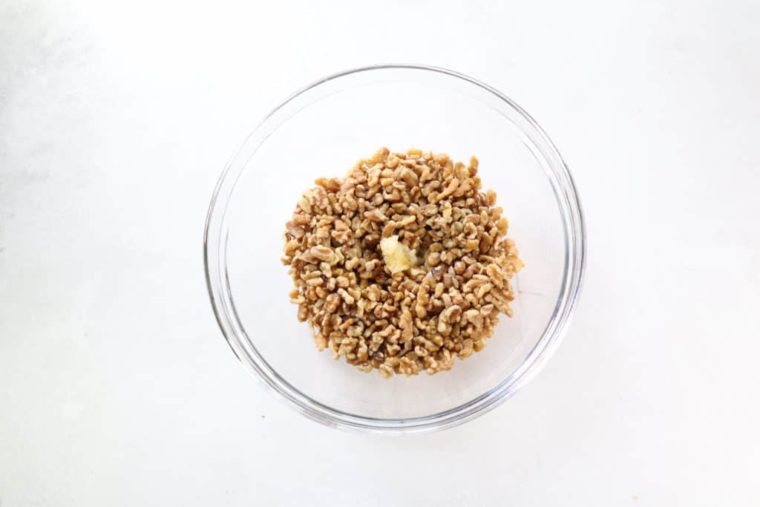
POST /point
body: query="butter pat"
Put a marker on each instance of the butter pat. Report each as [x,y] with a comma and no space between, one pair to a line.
[396,255]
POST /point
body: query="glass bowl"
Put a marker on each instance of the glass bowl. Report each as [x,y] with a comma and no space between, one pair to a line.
[321,131]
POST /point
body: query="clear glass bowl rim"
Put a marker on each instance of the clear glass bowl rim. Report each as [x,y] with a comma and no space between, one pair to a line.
[214,249]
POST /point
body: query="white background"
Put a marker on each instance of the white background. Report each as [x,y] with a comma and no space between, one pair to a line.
[116,387]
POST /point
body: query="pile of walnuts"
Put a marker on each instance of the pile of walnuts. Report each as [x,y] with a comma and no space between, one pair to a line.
[445,304]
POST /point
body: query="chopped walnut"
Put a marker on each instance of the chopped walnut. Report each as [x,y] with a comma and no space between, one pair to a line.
[403,264]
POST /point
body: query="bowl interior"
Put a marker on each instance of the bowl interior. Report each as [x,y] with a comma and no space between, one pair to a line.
[321,133]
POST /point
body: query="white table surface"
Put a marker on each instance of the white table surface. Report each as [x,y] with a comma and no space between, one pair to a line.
[116,387]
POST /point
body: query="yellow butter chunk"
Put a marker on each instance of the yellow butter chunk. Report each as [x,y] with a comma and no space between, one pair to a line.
[396,255]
